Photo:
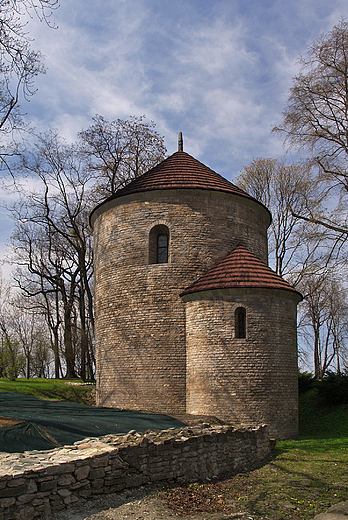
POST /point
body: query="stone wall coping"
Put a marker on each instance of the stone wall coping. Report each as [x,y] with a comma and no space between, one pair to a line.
[17,464]
[34,484]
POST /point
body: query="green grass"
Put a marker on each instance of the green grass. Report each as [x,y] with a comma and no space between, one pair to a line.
[58,389]
[308,474]
[305,478]
[322,428]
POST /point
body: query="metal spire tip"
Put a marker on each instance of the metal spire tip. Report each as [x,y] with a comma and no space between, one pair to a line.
[180,143]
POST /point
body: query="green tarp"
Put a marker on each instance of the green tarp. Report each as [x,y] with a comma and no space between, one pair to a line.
[49,424]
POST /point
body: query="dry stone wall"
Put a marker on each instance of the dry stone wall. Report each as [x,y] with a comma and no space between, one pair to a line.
[34,484]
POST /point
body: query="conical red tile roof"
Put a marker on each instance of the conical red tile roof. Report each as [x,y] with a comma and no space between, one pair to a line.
[180,170]
[240,268]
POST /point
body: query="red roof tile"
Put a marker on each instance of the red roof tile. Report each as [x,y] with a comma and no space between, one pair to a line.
[240,268]
[180,170]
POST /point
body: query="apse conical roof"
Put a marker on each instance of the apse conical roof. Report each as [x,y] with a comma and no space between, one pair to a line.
[240,269]
[179,171]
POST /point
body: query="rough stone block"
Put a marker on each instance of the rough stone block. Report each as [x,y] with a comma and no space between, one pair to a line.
[26,513]
[97,483]
[13,492]
[100,462]
[66,480]
[16,482]
[71,500]
[59,469]
[82,472]
[64,492]
[31,486]
[48,485]
[7,502]
[96,473]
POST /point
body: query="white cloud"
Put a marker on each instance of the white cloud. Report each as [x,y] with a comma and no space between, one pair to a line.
[218,70]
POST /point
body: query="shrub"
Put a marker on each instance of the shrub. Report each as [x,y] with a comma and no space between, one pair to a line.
[333,389]
[11,360]
[306,382]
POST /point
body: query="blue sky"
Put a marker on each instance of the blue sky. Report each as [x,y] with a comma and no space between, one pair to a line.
[219,71]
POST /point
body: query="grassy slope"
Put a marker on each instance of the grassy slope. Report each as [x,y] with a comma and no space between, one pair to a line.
[312,469]
[51,389]
[305,478]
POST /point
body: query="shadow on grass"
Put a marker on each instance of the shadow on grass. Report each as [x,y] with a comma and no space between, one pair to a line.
[310,445]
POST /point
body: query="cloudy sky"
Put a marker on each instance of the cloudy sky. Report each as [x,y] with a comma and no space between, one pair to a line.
[219,71]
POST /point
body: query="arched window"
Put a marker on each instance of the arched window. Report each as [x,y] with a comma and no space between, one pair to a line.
[159,245]
[240,322]
[162,249]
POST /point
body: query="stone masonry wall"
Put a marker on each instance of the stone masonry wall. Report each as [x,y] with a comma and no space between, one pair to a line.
[244,381]
[34,484]
[140,318]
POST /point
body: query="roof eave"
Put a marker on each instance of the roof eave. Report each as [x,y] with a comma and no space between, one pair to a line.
[108,203]
[223,292]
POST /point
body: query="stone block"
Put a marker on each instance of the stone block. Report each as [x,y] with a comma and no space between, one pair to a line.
[96,473]
[117,463]
[37,502]
[31,486]
[85,493]
[26,513]
[98,483]
[82,484]
[25,499]
[82,472]
[7,502]
[59,469]
[66,480]
[48,485]
[64,492]
[13,492]
[16,482]
[100,462]
[72,499]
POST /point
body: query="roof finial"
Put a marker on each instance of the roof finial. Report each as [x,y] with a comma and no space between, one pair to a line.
[180,143]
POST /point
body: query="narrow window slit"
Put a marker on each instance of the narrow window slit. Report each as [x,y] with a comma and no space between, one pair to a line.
[159,245]
[162,249]
[240,322]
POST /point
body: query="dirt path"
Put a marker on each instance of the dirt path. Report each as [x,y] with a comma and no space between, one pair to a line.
[139,504]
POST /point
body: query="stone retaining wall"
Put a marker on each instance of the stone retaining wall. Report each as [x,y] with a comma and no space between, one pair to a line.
[34,484]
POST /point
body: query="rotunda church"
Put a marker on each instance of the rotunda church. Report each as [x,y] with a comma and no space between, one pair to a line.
[189,317]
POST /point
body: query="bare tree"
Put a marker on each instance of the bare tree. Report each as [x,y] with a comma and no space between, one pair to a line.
[49,268]
[52,241]
[28,328]
[5,338]
[38,272]
[284,189]
[19,64]
[42,358]
[324,320]
[120,150]
[316,119]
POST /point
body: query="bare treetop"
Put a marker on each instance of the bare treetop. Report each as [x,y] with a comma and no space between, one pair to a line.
[316,120]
